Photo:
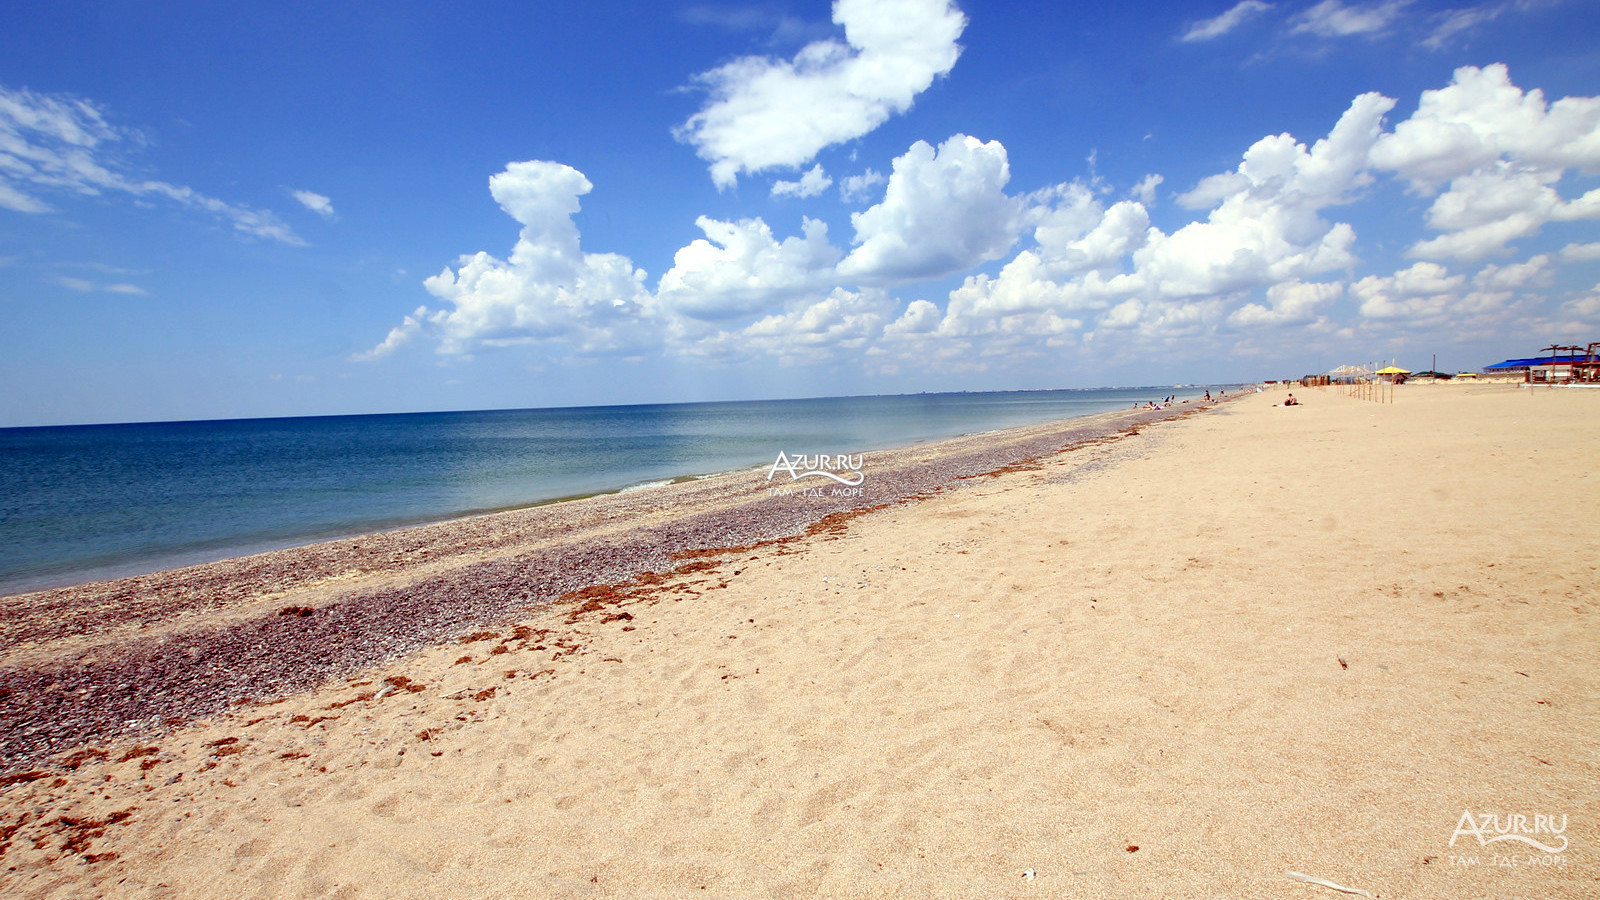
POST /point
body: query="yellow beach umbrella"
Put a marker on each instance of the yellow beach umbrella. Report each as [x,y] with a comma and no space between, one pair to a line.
[1393,370]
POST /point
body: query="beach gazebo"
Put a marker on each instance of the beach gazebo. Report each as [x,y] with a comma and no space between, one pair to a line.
[1393,374]
[1348,375]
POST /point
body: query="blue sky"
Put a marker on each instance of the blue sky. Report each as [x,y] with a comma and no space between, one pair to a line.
[221,210]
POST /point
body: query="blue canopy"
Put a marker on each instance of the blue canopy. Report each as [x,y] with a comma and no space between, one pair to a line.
[1536,361]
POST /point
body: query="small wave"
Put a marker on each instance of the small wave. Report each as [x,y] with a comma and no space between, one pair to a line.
[644,486]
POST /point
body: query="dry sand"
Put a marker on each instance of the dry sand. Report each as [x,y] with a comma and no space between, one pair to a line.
[1177,664]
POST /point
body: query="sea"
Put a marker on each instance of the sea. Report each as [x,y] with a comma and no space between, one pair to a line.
[89,502]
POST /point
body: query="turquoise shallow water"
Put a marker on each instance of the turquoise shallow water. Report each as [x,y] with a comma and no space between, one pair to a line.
[96,501]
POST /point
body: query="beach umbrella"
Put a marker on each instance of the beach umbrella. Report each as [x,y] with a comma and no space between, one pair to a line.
[1393,370]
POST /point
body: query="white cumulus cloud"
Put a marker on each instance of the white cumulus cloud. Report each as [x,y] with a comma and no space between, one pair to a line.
[548,290]
[1582,312]
[1121,230]
[1264,249]
[859,187]
[767,113]
[815,329]
[1500,154]
[739,269]
[1424,289]
[844,320]
[920,317]
[1266,226]
[944,211]
[1480,118]
[1534,271]
[398,336]
[1288,303]
[1145,190]
[1098,268]
[812,183]
[1497,204]
[1580,252]
[1023,286]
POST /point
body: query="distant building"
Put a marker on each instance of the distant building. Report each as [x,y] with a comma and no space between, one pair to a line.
[1564,365]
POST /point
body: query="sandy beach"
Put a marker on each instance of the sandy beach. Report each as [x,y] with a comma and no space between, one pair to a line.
[1144,655]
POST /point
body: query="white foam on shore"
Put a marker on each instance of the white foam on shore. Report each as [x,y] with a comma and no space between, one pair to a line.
[644,486]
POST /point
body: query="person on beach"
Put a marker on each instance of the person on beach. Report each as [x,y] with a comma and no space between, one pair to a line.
[1291,401]
[1208,396]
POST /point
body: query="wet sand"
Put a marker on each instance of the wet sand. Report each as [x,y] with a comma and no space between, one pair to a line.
[1177,659]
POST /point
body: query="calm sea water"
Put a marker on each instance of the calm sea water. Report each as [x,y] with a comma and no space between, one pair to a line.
[79,503]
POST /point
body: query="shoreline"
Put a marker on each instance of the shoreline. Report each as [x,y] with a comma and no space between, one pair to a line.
[118,567]
[136,645]
[189,560]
